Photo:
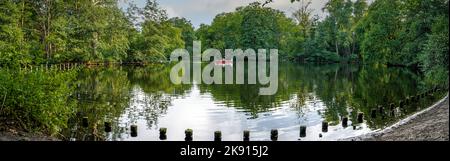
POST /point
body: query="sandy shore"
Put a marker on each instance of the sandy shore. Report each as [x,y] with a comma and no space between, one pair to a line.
[431,124]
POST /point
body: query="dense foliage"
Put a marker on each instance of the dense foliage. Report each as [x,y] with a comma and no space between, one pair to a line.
[56,31]
[37,100]
[399,32]
[393,33]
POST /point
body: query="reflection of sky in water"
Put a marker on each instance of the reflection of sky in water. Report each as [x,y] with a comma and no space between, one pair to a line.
[202,114]
[307,94]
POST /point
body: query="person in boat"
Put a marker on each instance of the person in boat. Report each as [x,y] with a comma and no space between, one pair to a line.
[224,61]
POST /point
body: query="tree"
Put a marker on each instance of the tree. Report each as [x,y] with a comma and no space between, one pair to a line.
[12,47]
[381,31]
[187,31]
[359,11]
[158,36]
[152,12]
[303,15]
[340,12]
[434,58]
[259,27]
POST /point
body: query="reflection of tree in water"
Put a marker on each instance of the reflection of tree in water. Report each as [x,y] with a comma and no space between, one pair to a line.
[298,102]
[344,90]
[243,97]
[103,94]
[156,78]
[380,86]
[149,106]
[155,93]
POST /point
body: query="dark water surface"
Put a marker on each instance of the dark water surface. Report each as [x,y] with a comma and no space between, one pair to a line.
[307,95]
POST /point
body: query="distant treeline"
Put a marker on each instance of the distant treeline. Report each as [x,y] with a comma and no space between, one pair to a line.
[388,32]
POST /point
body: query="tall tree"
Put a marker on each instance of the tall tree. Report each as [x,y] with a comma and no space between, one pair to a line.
[340,12]
[303,15]
[259,27]
[12,49]
[187,31]
[157,38]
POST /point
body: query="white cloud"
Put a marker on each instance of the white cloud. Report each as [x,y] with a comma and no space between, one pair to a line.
[170,11]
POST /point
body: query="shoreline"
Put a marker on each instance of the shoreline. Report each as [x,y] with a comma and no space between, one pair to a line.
[12,135]
[430,124]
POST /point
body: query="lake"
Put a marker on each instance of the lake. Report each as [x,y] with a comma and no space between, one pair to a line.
[307,95]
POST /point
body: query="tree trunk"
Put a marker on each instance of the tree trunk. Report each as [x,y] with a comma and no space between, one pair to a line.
[337,36]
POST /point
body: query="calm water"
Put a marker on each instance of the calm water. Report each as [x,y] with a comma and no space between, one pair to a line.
[307,95]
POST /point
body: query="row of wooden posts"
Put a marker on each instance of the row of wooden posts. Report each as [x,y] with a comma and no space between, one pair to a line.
[62,66]
[218,134]
[273,132]
[402,103]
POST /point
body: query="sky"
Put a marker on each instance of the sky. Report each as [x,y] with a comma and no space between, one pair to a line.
[204,11]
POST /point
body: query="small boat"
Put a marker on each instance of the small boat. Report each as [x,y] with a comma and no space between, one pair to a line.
[224,62]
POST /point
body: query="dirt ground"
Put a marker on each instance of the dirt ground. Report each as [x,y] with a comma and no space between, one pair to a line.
[9,132]
[7,136]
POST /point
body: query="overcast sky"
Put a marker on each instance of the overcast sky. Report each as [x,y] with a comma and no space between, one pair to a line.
[204,11]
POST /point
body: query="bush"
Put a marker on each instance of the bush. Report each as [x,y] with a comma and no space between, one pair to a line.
[38,100]
[434,59]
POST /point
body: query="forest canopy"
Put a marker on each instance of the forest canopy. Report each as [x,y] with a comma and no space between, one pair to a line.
[388,32]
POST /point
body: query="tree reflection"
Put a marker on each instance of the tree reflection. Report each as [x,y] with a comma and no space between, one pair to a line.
[125,95]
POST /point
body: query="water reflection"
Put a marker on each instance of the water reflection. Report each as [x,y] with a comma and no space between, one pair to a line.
[307,95]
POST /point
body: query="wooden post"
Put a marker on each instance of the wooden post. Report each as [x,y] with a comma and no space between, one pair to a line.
[108,127]
[324,126]
[360,117]
[133,130]
[246,135]
[391,109]
[85,122]
[188,133]
[163,133]
[217,136]
[302,131]
[344,122]
[373,113]
[381,110]
[274,134]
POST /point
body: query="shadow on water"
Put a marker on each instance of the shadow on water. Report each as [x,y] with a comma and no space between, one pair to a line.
[307,95]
